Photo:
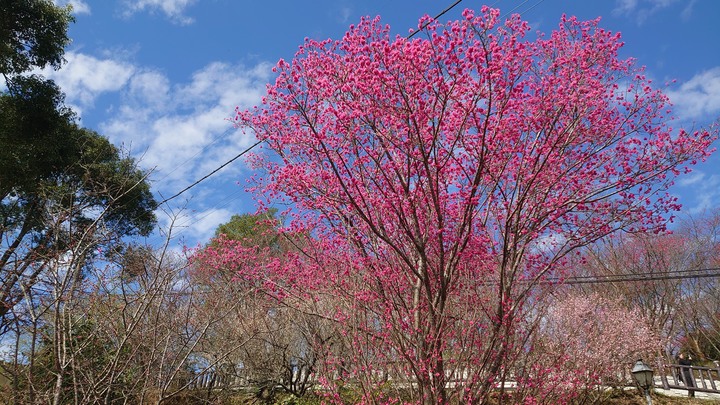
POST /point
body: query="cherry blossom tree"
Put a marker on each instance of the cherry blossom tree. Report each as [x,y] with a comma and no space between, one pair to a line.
[442,177]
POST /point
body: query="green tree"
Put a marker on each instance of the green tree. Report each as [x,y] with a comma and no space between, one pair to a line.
[45,214]
[33,119]
[33,33]
[253,229]
[59,183]
[34,128]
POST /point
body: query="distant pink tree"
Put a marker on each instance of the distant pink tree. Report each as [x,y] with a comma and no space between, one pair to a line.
[441,177]
[582,342]
[666,303]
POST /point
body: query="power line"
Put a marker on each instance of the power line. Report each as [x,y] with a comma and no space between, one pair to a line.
[507,14]
[647,276]
[650,272]
[211,173]
[711,272]
[443,12]
[436,17]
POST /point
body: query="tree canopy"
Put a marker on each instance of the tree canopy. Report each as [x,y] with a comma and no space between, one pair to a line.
[33,33]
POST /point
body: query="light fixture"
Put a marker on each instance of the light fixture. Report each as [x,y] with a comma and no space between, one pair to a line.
[643,375]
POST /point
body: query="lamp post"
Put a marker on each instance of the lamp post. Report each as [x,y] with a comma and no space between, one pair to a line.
[643,376]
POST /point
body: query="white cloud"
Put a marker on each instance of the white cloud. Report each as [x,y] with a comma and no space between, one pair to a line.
[85,77]
[693,178]
[699,97]
[179,130]
[625,6]
[173,9]
[687,11]
[700,191]
[344,14]
[199,225]
[204,223]
[149,88]
[78,6]
[182,129]
[642,9]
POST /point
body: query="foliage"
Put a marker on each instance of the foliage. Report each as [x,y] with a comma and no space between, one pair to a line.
[34,125]
[63,188]
[443,177]
[257,230]
[67,196]
[48,210]
[33,33]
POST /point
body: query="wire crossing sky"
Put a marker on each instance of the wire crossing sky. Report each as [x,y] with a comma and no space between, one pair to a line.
[162,78]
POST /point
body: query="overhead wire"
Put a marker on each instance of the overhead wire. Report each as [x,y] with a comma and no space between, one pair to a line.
[236,157]
[443,12]
[248,149]
[507,14]
[412,34]
[243,152]
[574,280]
[711,272]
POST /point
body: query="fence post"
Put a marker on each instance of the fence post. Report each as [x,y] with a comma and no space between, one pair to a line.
[663,377]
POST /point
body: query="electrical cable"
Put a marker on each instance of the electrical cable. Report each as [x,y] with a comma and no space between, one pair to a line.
[714,272]
[507,14]
[436,17]
[654,273]
[239,155]
[646,276]
[601,280]
[710,272]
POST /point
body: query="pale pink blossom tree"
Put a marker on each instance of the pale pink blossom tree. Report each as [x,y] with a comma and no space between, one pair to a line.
[441,177]
[585,342]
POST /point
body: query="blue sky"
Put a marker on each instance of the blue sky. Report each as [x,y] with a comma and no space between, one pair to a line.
[161,77]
